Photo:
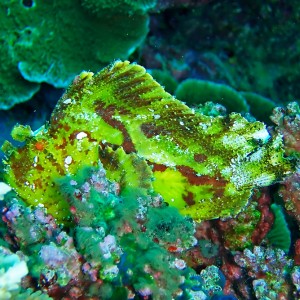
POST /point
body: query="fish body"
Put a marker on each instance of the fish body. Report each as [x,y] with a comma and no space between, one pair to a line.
[205,166]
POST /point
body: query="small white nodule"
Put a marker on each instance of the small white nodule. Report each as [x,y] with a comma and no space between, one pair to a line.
[4,189]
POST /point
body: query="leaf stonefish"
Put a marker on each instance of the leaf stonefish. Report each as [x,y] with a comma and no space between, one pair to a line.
[205,166]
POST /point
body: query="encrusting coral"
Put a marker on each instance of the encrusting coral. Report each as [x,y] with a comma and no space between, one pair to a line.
[204,166]
[274,268]
[119,247]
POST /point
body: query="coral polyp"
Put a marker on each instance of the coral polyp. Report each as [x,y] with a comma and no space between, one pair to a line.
[204,166]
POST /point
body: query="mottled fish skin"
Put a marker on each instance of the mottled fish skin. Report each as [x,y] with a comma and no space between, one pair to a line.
[205,166]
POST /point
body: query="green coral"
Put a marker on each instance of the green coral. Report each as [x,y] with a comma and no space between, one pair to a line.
[204,166]
[53,41]
[112,231]
[29,294]
[131,6]
[198,92]
[260,107]
[48,250]
[166,224]
[195,91]
[279,236]
[165,79]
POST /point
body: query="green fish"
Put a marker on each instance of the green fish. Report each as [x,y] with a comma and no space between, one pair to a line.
[205,166]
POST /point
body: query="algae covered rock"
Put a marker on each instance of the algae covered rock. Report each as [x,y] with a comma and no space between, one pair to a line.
[53,41]
[204,166]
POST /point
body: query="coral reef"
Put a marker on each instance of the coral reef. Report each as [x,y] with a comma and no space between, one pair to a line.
[195,91]
[118,5]
[114,177]
[290,192]
[98,257]
[66,40]
[131,118]
[249,45]
[165,79]
[12,269]
[288,125]
[260,107]
[273,268]
[121,191]
[239,233]
[279,236]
